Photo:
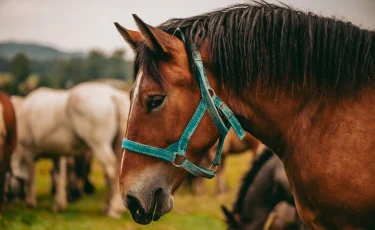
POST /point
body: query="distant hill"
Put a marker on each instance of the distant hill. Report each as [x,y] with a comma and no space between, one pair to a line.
[35,52]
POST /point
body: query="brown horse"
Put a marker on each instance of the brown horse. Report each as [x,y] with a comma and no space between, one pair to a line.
[8,136]
[300,83]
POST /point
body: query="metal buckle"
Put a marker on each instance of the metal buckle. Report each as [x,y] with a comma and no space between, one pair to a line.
[211,92]
[178,165]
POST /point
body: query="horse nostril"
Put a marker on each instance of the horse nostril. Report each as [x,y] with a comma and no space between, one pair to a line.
[134,205]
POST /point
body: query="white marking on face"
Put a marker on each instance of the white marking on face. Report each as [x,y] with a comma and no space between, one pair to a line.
[137,84]
[135,94]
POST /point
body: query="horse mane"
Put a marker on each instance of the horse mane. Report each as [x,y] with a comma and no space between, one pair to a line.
[261,45]
[249,178]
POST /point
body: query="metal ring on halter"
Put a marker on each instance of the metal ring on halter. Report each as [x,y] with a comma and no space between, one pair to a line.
[210,90]
[214,167]
[177,165]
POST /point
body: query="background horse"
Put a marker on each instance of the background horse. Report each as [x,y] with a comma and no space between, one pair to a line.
[300,83]
[58,123]
[232,145]
[77,180]
[78,169]
[262,194]
[8,136]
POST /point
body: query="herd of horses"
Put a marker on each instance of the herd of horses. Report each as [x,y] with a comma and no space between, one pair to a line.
[300,83]
[85,120]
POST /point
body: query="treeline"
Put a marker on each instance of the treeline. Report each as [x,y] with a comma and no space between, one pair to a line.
[21,75]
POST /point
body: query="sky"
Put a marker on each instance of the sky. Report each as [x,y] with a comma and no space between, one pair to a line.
[81,25]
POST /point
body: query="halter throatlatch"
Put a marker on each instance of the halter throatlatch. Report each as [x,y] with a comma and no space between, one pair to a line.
[218,111]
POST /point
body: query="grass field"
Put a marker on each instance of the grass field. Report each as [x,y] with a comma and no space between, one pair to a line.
[190,211]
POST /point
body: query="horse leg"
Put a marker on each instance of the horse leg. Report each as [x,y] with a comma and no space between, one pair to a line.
[221,183]
[74,183]
[2,190]
[30,184]
[60,195]
[88,187]
[2,172]
[107,158]
[52,173]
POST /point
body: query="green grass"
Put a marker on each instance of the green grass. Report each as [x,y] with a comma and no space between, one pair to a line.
[190,211]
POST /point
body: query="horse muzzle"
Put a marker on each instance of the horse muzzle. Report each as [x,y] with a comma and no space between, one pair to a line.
[146,206]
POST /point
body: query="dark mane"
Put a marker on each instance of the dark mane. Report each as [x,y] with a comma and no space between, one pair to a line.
[260,45]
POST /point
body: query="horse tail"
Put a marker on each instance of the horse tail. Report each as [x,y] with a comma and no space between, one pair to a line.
[248,179]
[230,219]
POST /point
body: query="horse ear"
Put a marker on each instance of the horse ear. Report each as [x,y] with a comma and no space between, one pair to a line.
[230,219]
[156,39]
[133,38]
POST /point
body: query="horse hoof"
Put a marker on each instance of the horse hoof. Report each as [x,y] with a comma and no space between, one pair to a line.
[31,204]
[74,195]
[58,208]
[88,188]
[115,211]
[114,214]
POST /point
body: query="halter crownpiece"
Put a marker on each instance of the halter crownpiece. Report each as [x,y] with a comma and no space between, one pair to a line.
[218,111]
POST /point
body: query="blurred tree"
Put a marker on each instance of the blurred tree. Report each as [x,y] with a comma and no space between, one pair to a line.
[20,69]
[96,65]
[117,65]
[6,82]
[45,81]
[120,53]
[63,73]
[31,83]
[71,72]
[44,67]
[4,65]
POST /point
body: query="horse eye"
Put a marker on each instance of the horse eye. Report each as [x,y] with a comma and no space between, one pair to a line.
[154,102]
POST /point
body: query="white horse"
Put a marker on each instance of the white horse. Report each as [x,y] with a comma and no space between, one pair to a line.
[56,123]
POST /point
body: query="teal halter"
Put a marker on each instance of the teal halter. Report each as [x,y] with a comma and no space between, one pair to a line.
[216,108]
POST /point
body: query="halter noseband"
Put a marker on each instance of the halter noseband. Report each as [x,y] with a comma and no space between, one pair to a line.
[216,108]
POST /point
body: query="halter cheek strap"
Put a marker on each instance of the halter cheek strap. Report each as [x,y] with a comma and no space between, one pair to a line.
[221,114]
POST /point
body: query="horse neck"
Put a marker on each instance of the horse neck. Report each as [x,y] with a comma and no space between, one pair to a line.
[274,117]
